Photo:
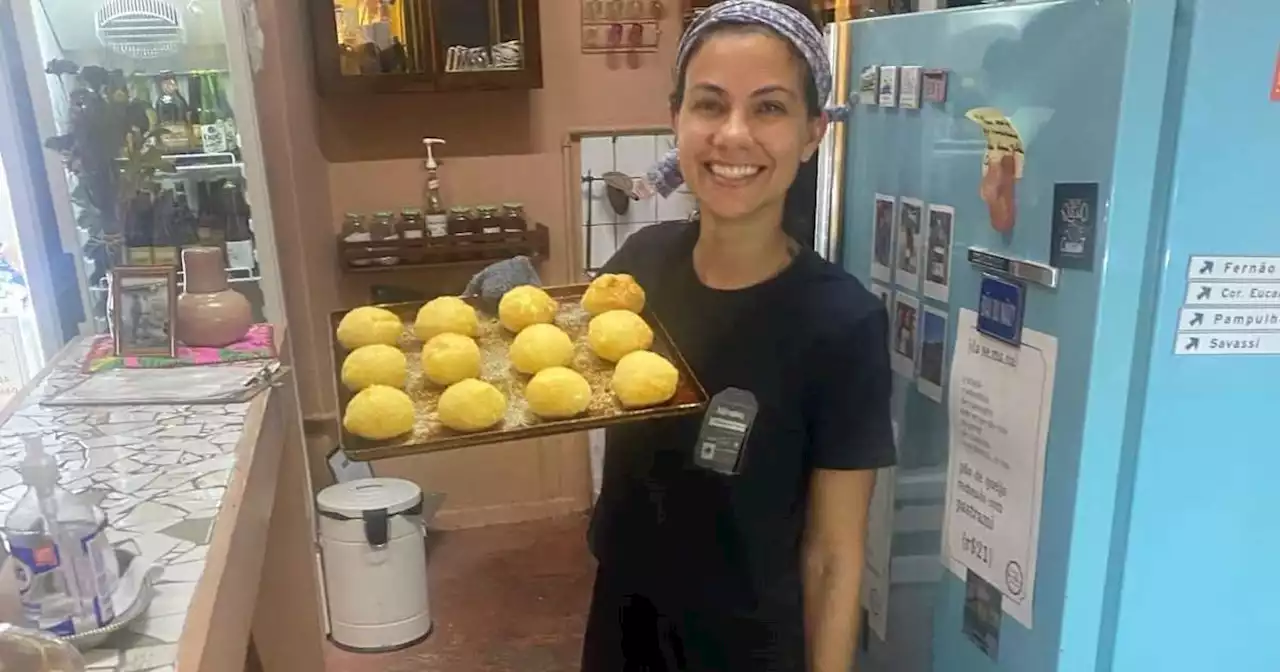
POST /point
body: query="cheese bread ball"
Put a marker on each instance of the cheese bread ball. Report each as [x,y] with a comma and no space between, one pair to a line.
[558,392]
[368,325]
[539,346]
[378,413]
[374,365]
[614,334]
[643,379]
[612,291]
[471,405]
[448,358]
[526,305]
[445,315]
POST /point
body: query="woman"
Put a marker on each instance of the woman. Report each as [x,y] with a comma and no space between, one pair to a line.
[738,547]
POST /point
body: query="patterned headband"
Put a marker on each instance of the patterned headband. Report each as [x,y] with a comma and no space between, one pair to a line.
[787,22]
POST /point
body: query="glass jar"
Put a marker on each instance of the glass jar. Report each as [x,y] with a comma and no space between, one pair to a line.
[383,227]
[487,220]
[460,221]
[514,223]
[412,224]
[354,230]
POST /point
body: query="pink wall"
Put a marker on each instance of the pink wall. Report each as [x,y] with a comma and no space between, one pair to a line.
[329,156]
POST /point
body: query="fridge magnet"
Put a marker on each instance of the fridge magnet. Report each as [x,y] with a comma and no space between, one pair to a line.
[933,86]
[933,352]
[888,90]
[906,326]
[1075,212]
[882,238]
[937,262]
[982,615]
[868,83]
[907,259]
[909,87]
[144,305]
[1001,165]
[883,292]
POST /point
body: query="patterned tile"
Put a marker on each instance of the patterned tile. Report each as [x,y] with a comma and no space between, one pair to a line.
[159,472]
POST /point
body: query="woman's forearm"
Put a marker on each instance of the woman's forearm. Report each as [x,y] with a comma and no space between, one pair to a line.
[831,611]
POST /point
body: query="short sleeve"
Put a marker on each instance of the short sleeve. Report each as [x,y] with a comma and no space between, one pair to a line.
[848,409]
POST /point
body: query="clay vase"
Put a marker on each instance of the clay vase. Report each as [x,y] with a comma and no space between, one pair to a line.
[210,313]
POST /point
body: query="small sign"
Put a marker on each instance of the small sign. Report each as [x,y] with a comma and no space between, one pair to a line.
[725,429]
[1001,305]
[1075,223]
[888,91]
[933,86]
[1229,319]
[1030,271]
[1233,293]
[868,84]
[1234,268]
[1228,343]
[909,87]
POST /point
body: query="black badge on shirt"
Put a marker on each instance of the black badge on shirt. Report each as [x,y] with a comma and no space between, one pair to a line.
[725,429]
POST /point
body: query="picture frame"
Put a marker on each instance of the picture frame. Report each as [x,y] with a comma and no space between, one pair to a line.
[144,309]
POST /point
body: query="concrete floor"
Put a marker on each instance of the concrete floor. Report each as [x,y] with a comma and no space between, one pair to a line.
[508,598]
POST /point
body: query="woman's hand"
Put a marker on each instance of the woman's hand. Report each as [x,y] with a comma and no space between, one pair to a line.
[834,542]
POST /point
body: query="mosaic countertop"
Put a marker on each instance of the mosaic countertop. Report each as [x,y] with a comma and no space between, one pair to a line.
[159,472]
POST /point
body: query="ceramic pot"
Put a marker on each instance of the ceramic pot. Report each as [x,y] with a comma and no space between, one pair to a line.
[210,313]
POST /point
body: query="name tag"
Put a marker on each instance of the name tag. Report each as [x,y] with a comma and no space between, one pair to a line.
[725,429]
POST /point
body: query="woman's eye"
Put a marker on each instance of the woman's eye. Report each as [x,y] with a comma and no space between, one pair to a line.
[706,105]
[772,107]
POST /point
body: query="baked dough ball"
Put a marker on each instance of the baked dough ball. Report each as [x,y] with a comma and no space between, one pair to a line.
[643,378]
[368,325]
[614,334]
[558,392]
[445,315]
[540,346]
[379,412]
[374,365]
[448,358]
[613,292]
[526,305]
[471,405]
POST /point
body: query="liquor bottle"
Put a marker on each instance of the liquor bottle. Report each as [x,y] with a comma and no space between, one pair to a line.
[433,205]
[195,105]
[239,235]
[226,116]
[137,234]
[171,113]
[211,129]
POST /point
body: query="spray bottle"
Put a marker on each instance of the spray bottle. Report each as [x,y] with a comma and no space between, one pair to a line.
[432,205]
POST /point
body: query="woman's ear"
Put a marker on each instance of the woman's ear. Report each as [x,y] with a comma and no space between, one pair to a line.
[817,129]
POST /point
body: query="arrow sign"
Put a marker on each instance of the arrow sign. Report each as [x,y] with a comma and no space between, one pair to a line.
[1205,291]
[1206,267]
[1197,320]
[1193,343]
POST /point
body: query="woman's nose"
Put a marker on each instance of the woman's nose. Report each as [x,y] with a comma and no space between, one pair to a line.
[735,128]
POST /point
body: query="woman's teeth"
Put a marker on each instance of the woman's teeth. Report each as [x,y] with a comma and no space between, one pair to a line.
[732,172]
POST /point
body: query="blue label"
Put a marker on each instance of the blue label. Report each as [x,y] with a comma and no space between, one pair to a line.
[1001,304]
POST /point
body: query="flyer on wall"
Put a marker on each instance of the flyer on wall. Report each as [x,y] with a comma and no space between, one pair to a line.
[1000,400]
[877,556]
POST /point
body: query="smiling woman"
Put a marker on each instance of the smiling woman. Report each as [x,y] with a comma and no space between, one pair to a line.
[736,543]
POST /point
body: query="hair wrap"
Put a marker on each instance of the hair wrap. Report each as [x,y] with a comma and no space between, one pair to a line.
[792,25]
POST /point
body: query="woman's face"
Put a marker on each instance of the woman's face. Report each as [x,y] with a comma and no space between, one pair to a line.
[743,127]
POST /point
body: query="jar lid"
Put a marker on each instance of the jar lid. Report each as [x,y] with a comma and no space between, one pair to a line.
[352,215]
[514,205]
[486,209]
[460,210]
[414,212]
[382,213]
[353,498]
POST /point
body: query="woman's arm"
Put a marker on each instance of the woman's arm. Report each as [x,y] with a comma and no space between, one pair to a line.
[832,553]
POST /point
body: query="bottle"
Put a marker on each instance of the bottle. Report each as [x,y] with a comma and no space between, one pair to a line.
[487,220]
[239,236]
[412,225]
[433,205]
[226,116]
[66,569]
[514,223]
[137,235]
[171,113]
[212,131]
[355,231]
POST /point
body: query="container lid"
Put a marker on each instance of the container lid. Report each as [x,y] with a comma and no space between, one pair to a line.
[353,498]
[513,205]
[411,212]
[460,210]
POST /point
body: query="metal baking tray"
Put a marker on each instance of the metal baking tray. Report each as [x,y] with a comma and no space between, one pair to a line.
[429,435]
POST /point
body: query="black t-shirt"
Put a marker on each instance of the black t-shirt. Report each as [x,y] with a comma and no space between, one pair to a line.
[811,345]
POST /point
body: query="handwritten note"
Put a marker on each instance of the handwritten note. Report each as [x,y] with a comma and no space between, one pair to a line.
[1002,138]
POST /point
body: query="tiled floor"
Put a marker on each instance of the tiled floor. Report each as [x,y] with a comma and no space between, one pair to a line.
[508,598]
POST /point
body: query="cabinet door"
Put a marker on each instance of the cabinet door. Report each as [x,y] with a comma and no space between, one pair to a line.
[487,44]
[372,45]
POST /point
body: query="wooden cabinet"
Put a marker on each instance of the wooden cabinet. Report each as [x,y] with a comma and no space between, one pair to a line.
[390,46]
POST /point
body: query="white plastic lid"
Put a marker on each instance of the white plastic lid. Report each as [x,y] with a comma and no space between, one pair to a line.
[353,498]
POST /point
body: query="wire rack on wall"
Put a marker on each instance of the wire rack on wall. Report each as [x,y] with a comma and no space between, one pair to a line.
[621,26]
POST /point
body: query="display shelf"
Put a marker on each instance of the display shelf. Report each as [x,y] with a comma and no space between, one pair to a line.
[399,254]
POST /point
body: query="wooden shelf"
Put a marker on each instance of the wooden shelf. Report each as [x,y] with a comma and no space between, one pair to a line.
[427,253]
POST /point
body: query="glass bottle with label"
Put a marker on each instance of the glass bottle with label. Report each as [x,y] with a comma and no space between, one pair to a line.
[433,204]
[212,138]
[514,223]
[487,221]
[239,236]
[460,222]
[171,115]
[226,116]
[412,225]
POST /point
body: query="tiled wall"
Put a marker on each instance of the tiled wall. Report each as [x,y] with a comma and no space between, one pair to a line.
[603,231]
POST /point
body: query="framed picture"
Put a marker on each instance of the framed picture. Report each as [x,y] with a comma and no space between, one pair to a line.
[882,237]
[905,337]
[888,86]
[937,257]
[933,352]
[907,257]
[144,303]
